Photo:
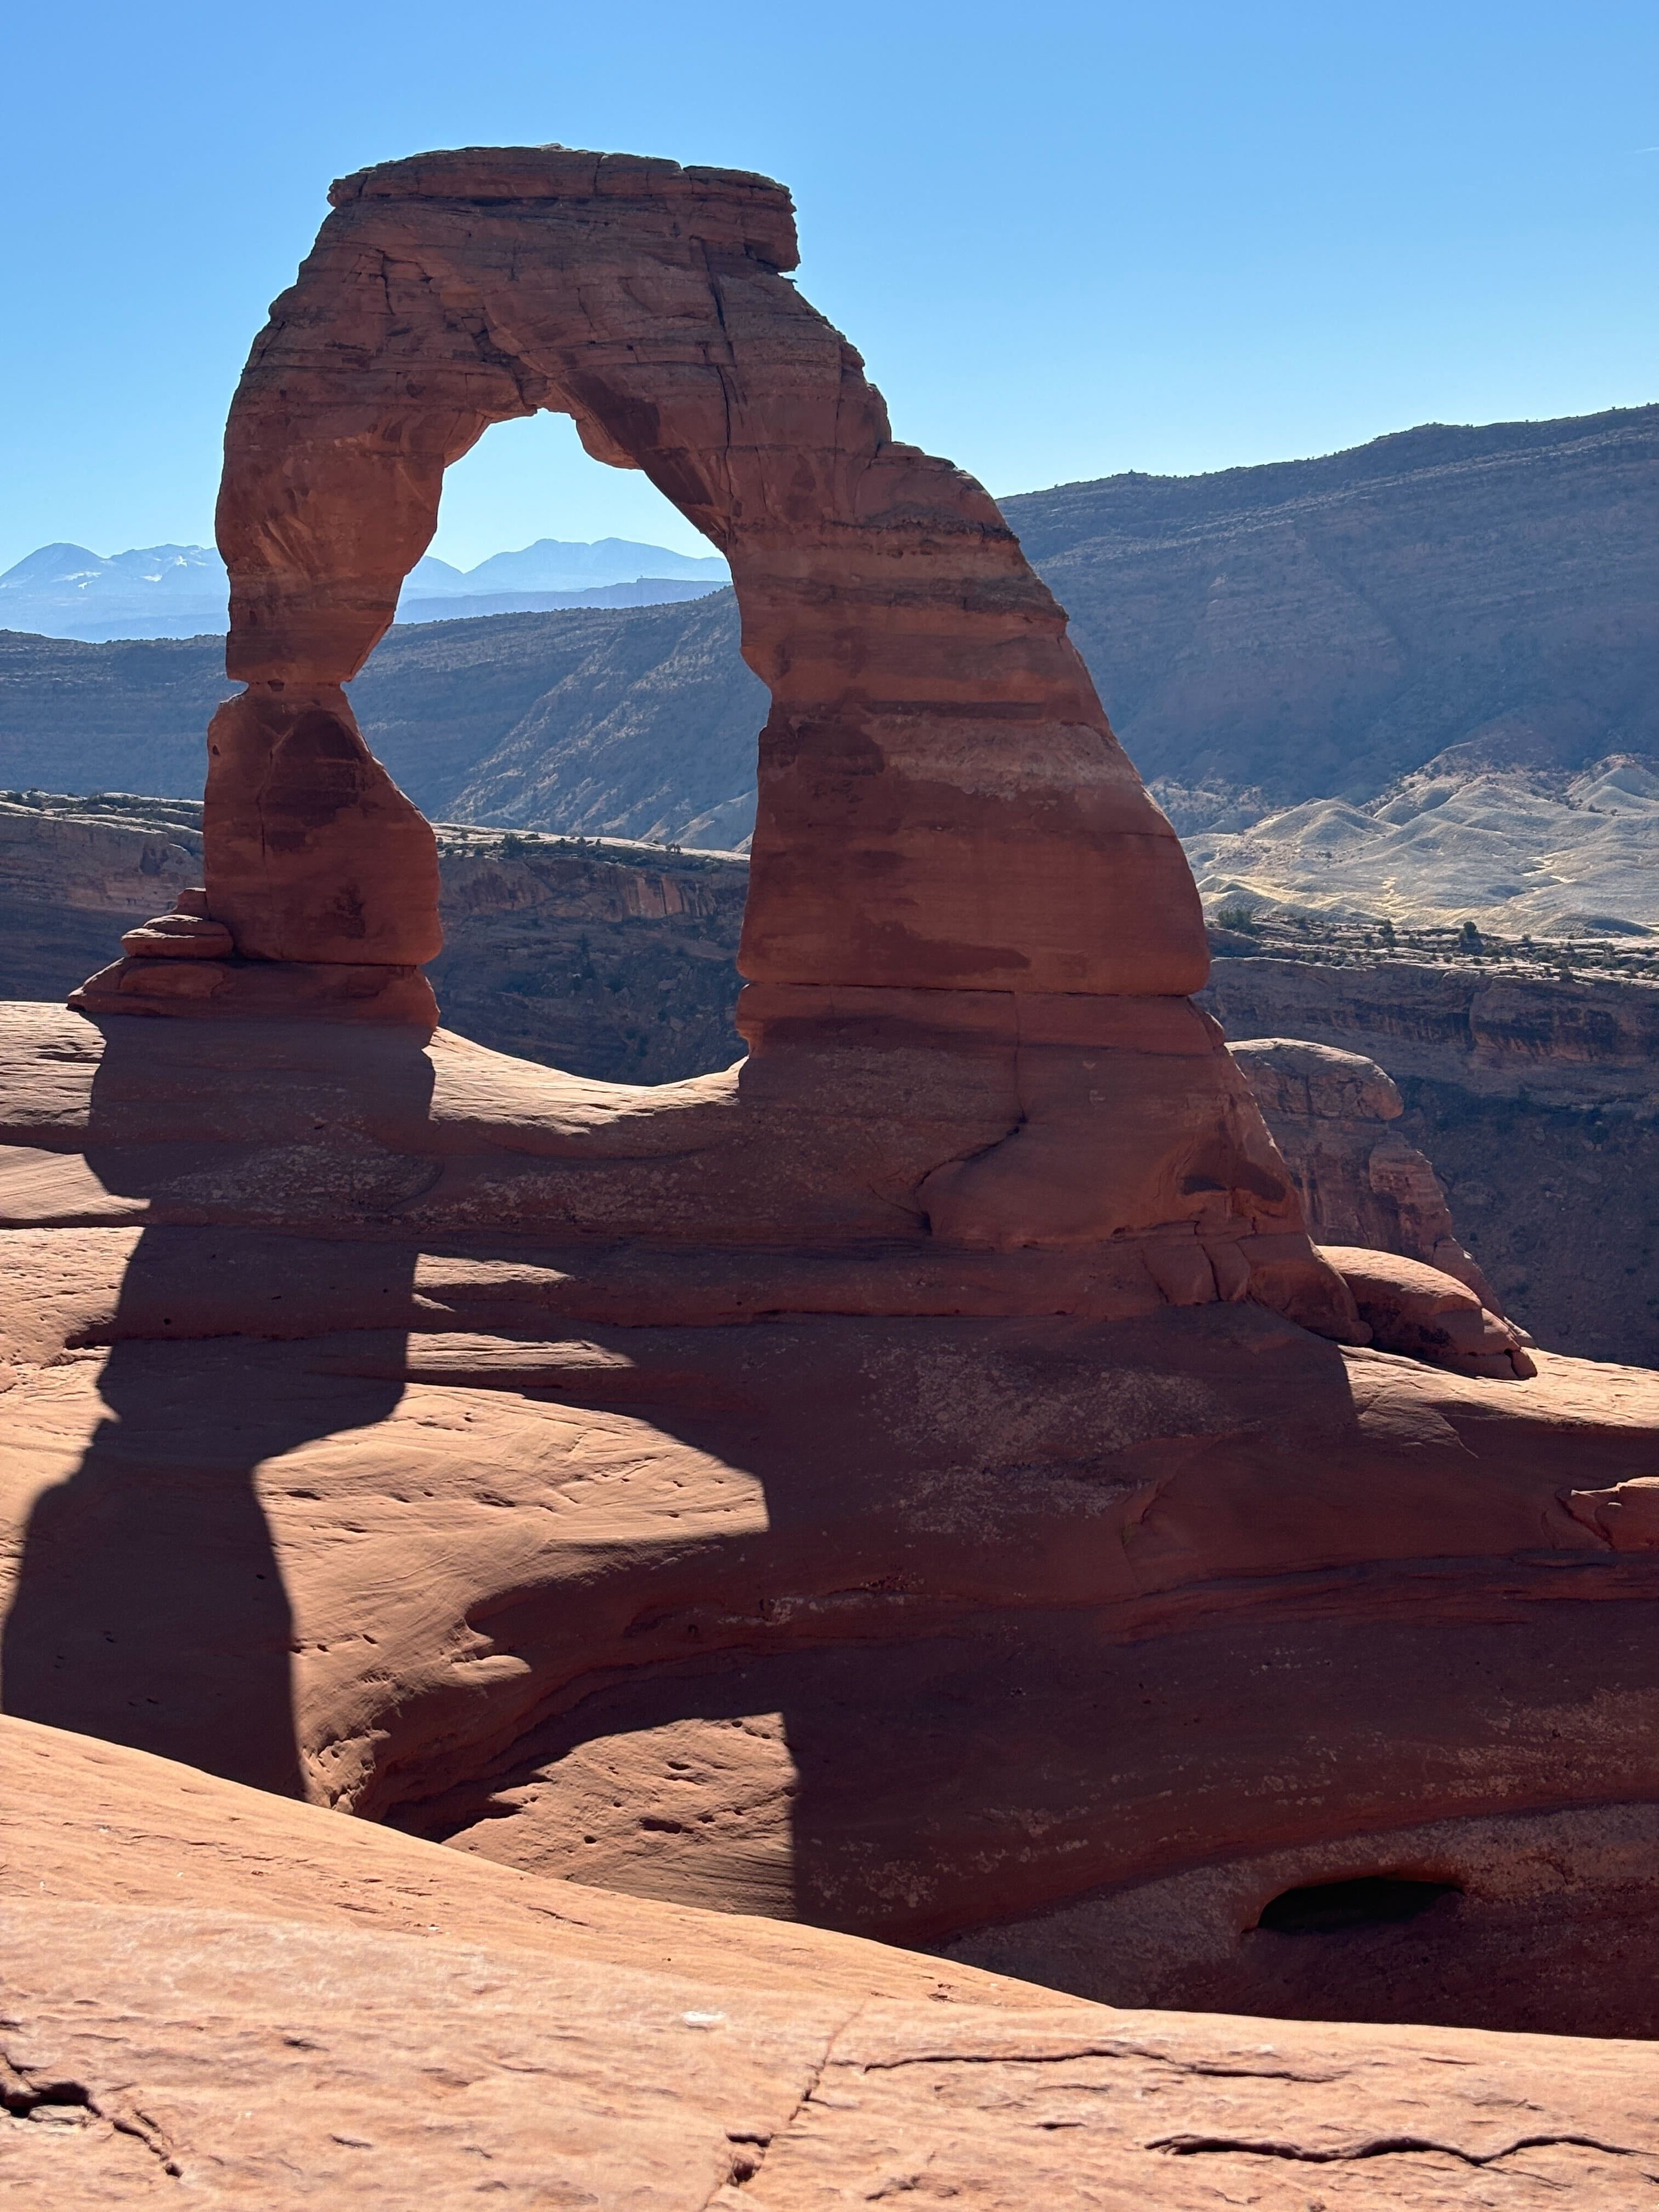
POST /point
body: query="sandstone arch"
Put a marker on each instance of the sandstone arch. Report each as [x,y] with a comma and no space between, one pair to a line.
[969,935]
[909,1384]
[942,802]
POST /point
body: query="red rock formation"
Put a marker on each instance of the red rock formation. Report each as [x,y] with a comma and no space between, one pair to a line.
[959,1588]
[959,888]
[212,1994]
[1331,1115]
[895,1482]
[1417,1310]
[942,802]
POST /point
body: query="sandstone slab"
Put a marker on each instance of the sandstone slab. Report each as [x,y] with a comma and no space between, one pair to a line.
[955,1585]
[213,1992]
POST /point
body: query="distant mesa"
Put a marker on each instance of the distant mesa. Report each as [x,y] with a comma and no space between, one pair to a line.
[180,590]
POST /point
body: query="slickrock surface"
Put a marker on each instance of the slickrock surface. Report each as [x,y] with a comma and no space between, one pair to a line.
[859,1576]
[210,1992]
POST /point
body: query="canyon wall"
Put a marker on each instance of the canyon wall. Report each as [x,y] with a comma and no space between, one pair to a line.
[1536,1099]
[1532,1098]
[608,959]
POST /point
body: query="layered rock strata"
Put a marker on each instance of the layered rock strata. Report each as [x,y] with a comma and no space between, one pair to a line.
[942,803]
[1333,1116]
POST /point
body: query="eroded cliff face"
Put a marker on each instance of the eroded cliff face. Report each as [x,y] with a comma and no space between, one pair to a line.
[1537,1100]
[1332,1114]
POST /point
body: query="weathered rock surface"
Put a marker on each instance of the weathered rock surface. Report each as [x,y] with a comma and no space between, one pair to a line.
[613,961]
[942,803]
[1331,1114]
[1502,1034]
[1537,1101]
[1512,848]
[1417,1310]
[861,1577]
[211,1990]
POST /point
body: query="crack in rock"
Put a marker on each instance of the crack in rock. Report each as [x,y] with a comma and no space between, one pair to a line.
[750,2148]
[1208,2070]
[1382,2147]
[24,2098]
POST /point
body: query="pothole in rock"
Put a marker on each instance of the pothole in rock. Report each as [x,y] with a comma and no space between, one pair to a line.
[1373,1900]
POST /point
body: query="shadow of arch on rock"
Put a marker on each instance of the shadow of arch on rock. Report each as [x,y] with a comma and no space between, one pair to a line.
[149,1606]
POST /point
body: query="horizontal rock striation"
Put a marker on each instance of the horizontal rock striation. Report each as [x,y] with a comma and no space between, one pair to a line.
[942,802]
[1331,1114]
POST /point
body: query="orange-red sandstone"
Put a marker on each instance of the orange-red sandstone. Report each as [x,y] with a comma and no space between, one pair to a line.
[929,1591]
[889,1483]
[211,1993]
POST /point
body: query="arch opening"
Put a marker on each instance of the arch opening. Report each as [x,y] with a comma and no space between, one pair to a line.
[531,478]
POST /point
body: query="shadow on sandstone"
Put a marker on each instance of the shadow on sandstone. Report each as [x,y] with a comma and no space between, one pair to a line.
[911,1700]
[149,1606]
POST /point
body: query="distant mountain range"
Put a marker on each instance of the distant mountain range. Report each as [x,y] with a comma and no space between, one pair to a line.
[179,591]
[1451,635]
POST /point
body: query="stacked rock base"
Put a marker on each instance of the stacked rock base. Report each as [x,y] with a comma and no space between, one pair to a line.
[186,963]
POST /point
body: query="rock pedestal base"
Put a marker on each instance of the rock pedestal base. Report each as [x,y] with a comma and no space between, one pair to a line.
[314,991]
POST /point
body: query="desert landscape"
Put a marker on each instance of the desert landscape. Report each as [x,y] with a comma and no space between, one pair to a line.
[874,1465]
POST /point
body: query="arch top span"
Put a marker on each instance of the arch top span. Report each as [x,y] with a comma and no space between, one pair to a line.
[942,803]
[732,207]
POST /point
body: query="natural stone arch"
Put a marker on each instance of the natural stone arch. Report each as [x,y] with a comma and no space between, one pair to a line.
[970,932]
[942,803]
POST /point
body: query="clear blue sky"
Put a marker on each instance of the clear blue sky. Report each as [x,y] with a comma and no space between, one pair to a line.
[1068,239]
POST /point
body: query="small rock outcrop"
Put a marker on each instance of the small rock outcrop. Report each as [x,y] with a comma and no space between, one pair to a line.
[1331,1114]
[1416,1310]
